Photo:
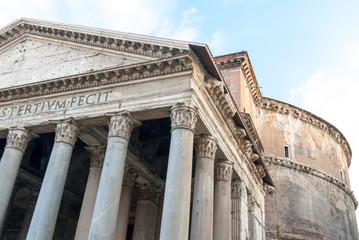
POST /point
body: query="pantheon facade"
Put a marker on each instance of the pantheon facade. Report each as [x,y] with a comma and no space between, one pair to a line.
[110,135]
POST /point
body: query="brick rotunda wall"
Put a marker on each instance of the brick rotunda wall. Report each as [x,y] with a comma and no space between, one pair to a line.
[313,199]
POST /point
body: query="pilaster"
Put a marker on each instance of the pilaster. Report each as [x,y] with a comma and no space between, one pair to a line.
[146,212]
[96,155]
[222,200]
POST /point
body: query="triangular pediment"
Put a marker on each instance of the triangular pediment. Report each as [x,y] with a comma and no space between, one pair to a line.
[32,60]
[33,51]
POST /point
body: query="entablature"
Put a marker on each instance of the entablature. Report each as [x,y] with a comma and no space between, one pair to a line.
[99,78]
[247,142]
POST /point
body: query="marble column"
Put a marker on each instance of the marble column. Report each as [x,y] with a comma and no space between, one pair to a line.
[28,215]
[239,210]
[48,203]
[97,155]
[202,209]
[16,143]
[129,179]
[104,217]
[222,201]
[176,206]
[146,213]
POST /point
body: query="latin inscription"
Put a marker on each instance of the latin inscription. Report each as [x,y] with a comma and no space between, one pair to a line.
[55,105]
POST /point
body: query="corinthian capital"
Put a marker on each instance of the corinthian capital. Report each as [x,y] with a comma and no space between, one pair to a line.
[121,125]
[206,146]
[67,131]
[238,189]
[148,192]
[129,177]
[183,116]
[223,170]
[97,155]
[19,138]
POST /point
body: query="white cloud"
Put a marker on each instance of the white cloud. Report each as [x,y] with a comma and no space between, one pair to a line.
[217,42]
[332,93]
[190,26]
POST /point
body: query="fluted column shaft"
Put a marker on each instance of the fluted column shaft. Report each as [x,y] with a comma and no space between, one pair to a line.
[239,211]
[97,155]
[222,200]
[176,206]
[104,217]
[146,213]
[16,143]
[48,203]
[202,209]
[125,203]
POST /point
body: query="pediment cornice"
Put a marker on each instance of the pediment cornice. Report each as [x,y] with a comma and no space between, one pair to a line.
[241,59]
[99,78]
[124,42]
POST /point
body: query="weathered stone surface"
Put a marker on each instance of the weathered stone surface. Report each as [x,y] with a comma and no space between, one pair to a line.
[34,60]
[304,205]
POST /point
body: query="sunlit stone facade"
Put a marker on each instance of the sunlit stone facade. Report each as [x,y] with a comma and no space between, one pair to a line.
[110,135]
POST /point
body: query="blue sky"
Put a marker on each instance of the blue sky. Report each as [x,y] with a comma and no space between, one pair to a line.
[305,52]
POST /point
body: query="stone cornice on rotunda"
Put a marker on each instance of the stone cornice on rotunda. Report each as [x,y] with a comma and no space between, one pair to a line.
[308,117]
[310,170]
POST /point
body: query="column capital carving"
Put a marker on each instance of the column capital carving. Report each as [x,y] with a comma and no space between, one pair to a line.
[66,131]
[129,177]
[148,192]
[121,124]
[206,146]
[183,116]
[19,138]
[223,170]
[97,155]
[237,188]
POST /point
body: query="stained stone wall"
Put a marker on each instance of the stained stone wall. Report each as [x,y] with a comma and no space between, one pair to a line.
[305,206]
[307,144]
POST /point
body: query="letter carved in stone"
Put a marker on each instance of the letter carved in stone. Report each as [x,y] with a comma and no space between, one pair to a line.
[129,177]
[223,170]
[19,138]
[148,192]
[66,131]
[183,116]
[206,146]
[121,125]
[97,155]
